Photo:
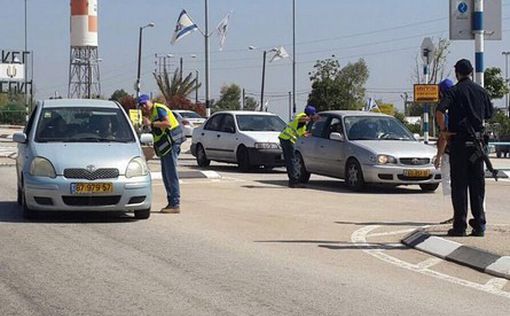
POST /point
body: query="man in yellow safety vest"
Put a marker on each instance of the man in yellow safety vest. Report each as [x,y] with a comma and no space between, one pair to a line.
[288,137]
[168,137]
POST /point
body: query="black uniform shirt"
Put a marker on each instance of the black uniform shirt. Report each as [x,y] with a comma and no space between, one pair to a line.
[466,99]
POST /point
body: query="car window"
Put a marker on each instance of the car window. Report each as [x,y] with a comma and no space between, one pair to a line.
[317,128]
[83,124]
[260,123]
[30,123]
[376,128]
[189,115]
[214,123]
[335,126]
[228,125]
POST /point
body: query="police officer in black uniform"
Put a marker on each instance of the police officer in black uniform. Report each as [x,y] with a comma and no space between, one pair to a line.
[468,105]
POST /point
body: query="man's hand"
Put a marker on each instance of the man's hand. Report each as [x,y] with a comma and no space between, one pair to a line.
[307,134]
[146,121]
[437,161]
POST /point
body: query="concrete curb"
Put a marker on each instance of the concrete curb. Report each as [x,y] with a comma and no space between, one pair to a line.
[453,251]
[190,175]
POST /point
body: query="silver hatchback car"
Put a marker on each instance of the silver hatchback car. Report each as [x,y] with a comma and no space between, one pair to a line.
[365,147]
[81,155]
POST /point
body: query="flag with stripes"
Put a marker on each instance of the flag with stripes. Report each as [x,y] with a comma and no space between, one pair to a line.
[222,29]
[371,104]
[184,26]
[279,53]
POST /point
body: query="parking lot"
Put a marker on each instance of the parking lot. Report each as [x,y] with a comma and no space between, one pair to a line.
[244,243]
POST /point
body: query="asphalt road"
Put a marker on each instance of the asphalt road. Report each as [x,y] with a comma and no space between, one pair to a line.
[243,245]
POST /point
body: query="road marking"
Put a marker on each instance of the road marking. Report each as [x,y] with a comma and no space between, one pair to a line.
[496,283]
[359,237]
[397,232]
[429,263]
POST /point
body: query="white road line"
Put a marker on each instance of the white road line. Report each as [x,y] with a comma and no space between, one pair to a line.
[429,263]
[496,283]
[359,238]
[397,232]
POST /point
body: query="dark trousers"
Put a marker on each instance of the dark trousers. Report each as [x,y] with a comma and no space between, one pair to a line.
[289,154]
[467,176]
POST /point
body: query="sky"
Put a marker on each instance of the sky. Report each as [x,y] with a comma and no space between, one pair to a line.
[386,33]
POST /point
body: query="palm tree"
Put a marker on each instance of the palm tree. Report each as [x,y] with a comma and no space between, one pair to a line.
[177,88]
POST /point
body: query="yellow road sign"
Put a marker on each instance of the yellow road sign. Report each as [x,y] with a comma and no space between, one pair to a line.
[426,93]
[135,116]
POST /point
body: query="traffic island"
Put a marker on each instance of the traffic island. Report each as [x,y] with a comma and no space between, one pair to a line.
[489,254]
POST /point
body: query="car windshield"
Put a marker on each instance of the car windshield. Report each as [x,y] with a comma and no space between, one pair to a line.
[190,115]
[376,128]
[83,124]
[260,123]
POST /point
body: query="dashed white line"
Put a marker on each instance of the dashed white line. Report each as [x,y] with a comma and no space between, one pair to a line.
[359,237]
[426,264]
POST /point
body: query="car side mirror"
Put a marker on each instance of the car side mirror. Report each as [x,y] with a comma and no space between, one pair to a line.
[337,137]
[146,139]
[19,137]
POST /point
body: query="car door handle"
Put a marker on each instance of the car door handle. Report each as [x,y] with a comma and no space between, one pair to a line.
[202,134]
[322,146]
[218,136]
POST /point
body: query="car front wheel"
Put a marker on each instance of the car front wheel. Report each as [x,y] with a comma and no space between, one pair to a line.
[354,176]
[304,175]
[243,159]
[429,187]
[143,214]
[202,160]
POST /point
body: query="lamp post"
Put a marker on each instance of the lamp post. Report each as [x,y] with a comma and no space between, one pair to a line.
[264,54]
[507,80]
[137,86]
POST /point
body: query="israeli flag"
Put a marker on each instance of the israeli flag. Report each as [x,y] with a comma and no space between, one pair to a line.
[184,26]
[371,104]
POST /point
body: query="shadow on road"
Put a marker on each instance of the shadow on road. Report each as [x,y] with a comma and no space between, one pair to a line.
[234,169]
[341,245]
[338,186]
[385,223]
[11,212]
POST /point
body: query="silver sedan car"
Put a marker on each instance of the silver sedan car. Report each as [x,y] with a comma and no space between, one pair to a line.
[366,147]
[79,155]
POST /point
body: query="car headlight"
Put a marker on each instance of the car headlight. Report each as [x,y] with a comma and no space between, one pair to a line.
[386,159]
[267,146]
[42,167]
[137,167]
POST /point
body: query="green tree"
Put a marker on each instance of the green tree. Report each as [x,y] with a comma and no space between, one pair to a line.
[495,83]
[336,88]
[250,104]
[118,94]
[176,88]
[229,98]
[12,108]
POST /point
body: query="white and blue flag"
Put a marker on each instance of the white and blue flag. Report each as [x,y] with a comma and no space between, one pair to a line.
[184,26]
[371,104]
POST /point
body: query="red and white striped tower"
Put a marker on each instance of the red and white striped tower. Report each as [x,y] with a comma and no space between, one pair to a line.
[84,77]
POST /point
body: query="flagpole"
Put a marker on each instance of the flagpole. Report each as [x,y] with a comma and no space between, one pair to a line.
[207,69]
[294,56]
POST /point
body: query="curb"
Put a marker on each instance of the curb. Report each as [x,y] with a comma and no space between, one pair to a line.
[12,126]
[190,175]
[453,251]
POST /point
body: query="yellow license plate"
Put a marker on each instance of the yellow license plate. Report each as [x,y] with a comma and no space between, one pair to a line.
[416,173]
[88,188]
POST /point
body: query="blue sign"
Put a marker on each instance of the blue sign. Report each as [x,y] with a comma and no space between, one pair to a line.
[462,7]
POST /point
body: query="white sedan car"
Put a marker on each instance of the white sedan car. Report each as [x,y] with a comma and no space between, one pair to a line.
[189,120]
[249,139]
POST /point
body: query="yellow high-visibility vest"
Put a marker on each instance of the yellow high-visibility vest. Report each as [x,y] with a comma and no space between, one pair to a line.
[292,132]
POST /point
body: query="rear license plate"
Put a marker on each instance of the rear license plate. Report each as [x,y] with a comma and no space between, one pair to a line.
[88,188]
[416,173]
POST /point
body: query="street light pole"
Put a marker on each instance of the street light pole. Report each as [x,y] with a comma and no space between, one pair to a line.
[294,56]
[263,81]
[507,80]
[196,86]
[207,70]
[138,73]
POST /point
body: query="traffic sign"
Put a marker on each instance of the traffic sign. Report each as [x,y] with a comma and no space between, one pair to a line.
[426,93]
[461,19]
[427,50]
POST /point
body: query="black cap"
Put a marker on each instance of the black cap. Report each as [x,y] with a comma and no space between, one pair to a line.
[464,67]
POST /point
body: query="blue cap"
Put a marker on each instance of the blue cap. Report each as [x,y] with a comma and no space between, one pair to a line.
[143,99]
[310,110]
[445,85]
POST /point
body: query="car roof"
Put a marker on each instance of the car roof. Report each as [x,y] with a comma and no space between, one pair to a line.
[56,103]
[183,111]
[245,113]
[353,113]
